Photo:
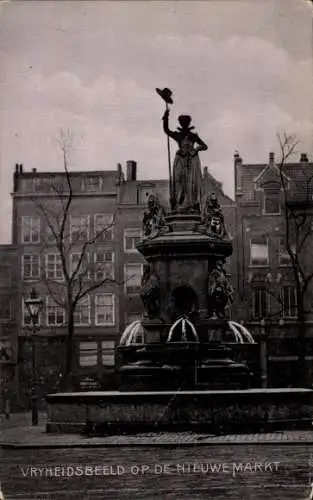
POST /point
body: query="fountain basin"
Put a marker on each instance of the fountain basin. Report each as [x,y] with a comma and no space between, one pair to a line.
[250,410]
[183,366]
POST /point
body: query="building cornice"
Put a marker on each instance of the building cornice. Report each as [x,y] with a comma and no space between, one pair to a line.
[65,195]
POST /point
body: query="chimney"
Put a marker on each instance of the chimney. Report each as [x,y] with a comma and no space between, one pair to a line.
[34,170]
[21,168]
[120,175]
[271,158]
[304,158]
[237,168]
[15,177]
[131,170]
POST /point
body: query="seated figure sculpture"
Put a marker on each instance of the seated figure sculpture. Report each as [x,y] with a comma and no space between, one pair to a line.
[212,218]
[153,218]
[220,292]
[150,293]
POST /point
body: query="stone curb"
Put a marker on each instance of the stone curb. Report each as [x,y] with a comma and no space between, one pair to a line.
[164,444]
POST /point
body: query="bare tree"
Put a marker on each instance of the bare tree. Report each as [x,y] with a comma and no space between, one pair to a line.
[297,209]
[77,278]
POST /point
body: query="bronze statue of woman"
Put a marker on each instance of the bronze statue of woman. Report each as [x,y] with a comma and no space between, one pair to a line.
[187,177]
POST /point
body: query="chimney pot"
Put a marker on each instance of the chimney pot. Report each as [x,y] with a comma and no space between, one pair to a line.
[304,158]
[34,170]
[237,157]
[271,157]
[131,170]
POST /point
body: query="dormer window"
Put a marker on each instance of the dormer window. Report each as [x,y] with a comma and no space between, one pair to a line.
[92,184]
[272,202]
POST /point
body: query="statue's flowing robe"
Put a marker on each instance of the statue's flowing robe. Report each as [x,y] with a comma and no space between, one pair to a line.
[187,176]
[187,180]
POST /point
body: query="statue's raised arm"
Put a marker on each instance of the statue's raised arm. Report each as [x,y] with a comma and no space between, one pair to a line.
[166,128]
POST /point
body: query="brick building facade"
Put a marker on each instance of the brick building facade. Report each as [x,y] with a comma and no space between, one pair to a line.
[266,297]
[9,291]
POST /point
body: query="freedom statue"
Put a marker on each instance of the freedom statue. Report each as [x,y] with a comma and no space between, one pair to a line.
[186,187]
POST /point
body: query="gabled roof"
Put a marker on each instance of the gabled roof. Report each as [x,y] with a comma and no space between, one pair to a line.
[269,174]
[299,176]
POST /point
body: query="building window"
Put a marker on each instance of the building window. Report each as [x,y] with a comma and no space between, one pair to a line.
[55,314]
[5,351]
[82,312]
[108,353]
[260,306]
[259,252]
[133,275]
[5,307]
[79,228]
[103,227]
[88,353]
[284,257]
[131,238]
[104,309]
[30,229]
[104,265]
[271,202]
[31,266]
[27,320]
[92,184]
[27,185]
[54,269]
[5,273]
[289,302]
[79,264]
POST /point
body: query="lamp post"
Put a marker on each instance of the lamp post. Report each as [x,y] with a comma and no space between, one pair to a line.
[263,354]
[34,305]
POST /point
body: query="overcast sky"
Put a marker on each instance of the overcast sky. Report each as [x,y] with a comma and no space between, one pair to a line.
[242,69]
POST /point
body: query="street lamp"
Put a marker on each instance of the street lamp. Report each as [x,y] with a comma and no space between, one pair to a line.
[263,354]
[34,305]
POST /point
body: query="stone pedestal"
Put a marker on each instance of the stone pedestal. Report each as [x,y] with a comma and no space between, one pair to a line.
[193,354]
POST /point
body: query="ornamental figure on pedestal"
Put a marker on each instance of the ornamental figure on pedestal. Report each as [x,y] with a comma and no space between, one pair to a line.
[220,292]
[212,216]
[153,218]
[150,293]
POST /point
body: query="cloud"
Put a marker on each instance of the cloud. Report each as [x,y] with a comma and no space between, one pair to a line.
[241,86]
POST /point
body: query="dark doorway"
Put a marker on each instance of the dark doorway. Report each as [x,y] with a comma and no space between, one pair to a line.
[184,301]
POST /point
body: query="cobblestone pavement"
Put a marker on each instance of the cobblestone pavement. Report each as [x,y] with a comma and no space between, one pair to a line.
[37,438]
[272,466]
[250,471]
